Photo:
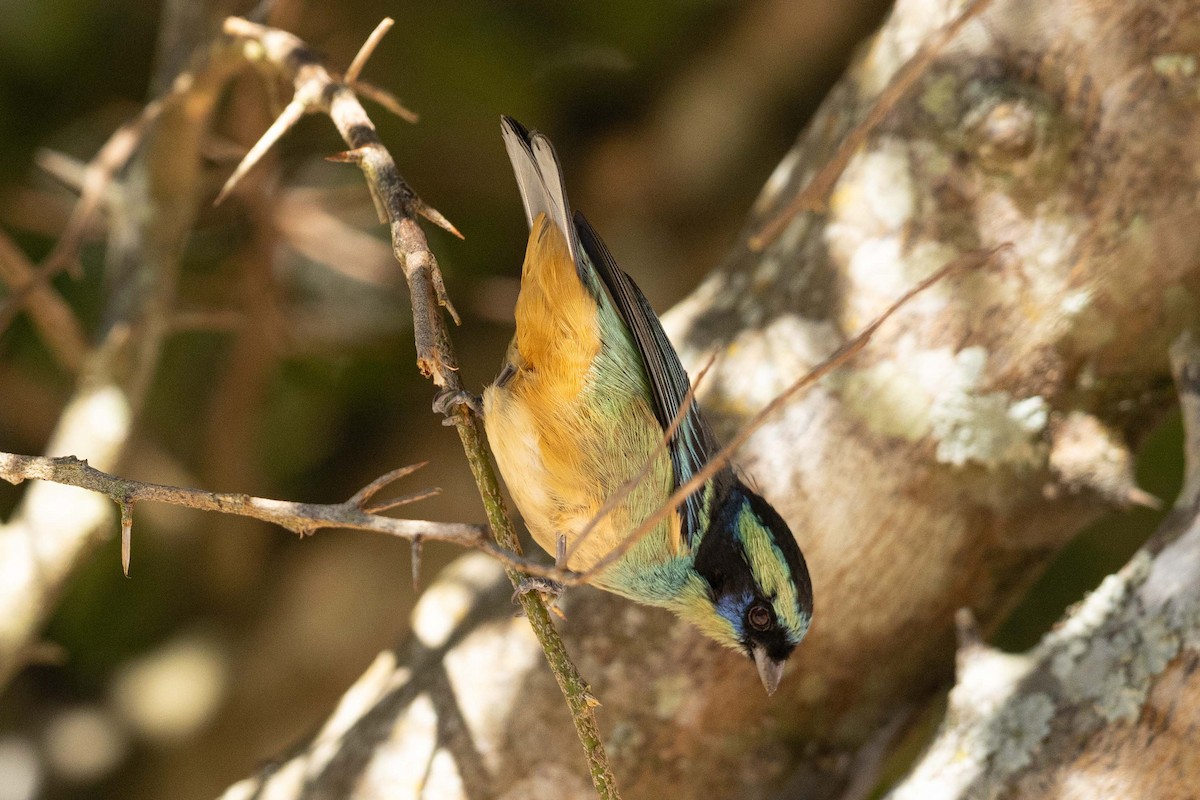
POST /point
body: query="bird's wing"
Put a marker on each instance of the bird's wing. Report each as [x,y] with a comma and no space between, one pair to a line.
[693,443]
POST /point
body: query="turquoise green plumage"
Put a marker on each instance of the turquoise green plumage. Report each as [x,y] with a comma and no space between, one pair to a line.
[589,386]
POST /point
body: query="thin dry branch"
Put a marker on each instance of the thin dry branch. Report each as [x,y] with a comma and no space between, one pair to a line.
[318,91]
[95,183]
[54,320]
[302,519]
[367,50]
[564,556]
[386,99]
[568,577]
[158,156]
[369,90]
[290,115]
[814,195]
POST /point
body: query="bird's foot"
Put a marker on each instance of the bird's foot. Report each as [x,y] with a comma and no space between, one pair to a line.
[448,401]
[550,591]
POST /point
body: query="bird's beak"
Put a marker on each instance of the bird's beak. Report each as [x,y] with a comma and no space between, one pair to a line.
[770,670]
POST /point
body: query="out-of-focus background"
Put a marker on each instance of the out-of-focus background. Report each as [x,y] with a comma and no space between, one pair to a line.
[232,639]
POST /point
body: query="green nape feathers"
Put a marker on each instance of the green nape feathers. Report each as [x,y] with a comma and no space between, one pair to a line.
[589,386]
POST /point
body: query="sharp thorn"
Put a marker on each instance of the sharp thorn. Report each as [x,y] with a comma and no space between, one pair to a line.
[433,215]
[126,534]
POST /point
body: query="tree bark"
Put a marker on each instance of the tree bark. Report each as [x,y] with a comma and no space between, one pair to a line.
[1108,704]
[941,469]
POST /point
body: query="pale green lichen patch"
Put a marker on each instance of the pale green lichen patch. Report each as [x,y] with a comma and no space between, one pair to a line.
[939,98]
[935,393]
[1175,66]
[889,399]
[1097,666]
[989,429]
[1018,731]
[1174,584]
[990,729]
[876,193]
[1111,648]
[985,428]
[1064,643]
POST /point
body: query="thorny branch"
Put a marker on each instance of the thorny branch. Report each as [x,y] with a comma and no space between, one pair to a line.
[357,513]
[317,91]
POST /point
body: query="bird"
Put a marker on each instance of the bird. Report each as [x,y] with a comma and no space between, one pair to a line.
[589,386]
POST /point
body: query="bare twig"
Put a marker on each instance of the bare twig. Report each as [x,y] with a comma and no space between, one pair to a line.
[560,573]
[370,90]
[368,48]
[317,91]
[95,183]
[404,500]
[364,495]
[386,99]
[813,196]
[51,316]
[302,519]
[292,113]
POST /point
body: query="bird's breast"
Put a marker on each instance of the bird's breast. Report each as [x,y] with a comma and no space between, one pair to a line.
[572,419]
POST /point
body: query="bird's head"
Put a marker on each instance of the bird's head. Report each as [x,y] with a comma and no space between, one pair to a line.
[751,589]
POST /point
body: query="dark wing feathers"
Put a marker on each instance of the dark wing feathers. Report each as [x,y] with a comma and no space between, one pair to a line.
[693,443]
[539,178]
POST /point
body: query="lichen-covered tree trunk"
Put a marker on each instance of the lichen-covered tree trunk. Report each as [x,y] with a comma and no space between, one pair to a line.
[941,469]
[1108,704]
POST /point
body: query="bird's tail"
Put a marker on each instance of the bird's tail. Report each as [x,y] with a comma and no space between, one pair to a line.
[539,178]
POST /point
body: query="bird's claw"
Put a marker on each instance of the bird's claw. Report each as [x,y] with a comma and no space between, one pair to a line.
[448,401]
[550,591]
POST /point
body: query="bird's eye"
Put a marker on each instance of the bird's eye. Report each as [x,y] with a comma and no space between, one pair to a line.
[759,617]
